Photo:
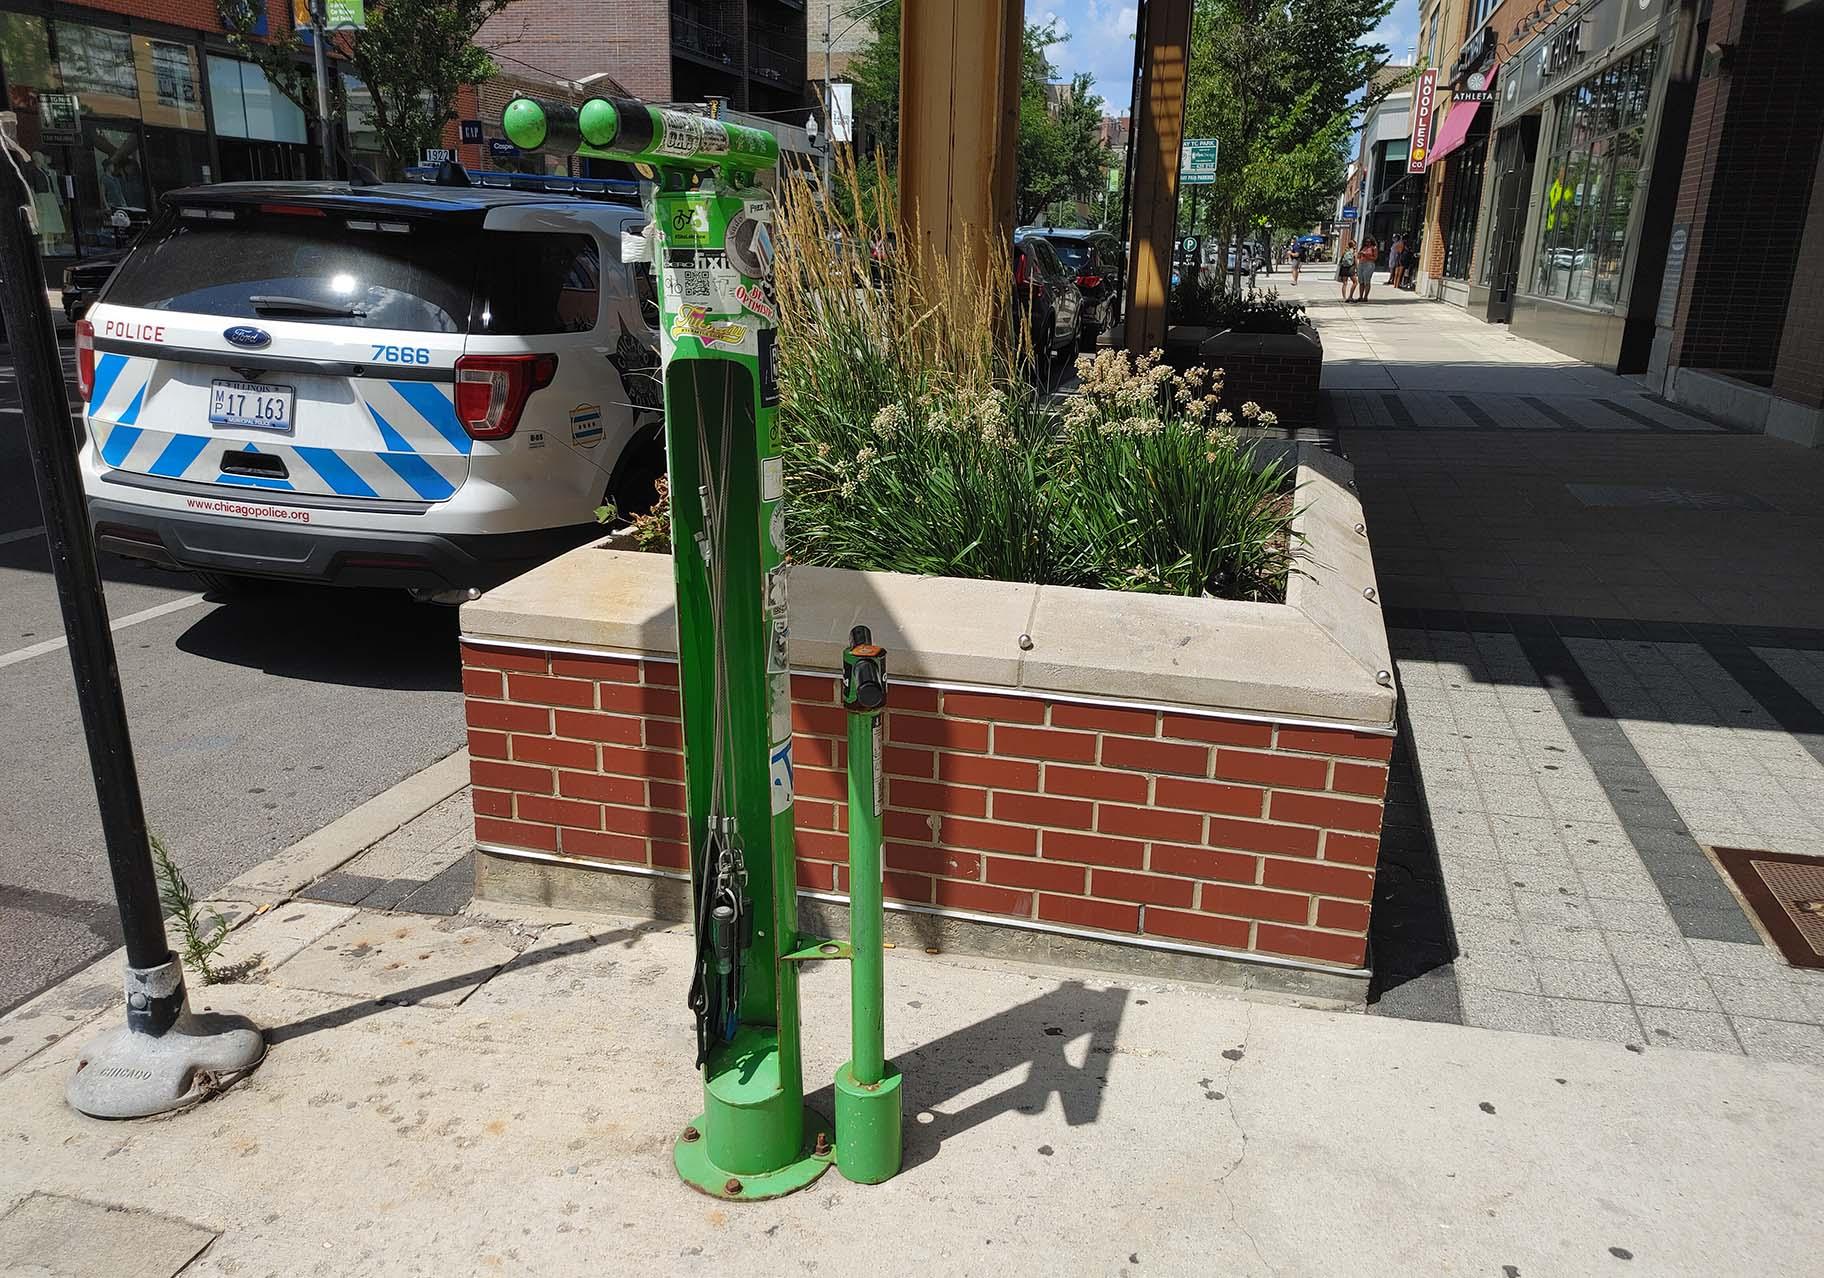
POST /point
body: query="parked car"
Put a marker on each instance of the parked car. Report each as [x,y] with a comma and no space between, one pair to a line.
[1046,301]
[427,386]
[1099,261]
[83,281]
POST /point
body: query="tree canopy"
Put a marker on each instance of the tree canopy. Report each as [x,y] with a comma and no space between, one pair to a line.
[412,57]
[1279,84]
[1059,157]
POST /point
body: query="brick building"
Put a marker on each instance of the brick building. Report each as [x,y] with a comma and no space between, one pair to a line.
[750,52]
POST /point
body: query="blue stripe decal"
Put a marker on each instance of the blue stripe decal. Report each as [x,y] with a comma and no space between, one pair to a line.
[417,472]
[394,441]
[438,411]
[253,481]
[120,442]
[107,368]
[132,414]
[338,474]
[178,454]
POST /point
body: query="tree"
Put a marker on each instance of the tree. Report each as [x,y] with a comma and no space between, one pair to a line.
[1279,83]
[412,57]
[874,72]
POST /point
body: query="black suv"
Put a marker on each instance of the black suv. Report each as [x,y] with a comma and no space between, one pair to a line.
[1099,262]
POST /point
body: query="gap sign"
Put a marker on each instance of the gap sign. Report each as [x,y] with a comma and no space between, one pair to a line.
[1424,112]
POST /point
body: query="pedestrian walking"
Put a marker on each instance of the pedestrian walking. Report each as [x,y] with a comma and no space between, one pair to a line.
[1345,270]
[1364,267]
[1294,254]
[1396,260]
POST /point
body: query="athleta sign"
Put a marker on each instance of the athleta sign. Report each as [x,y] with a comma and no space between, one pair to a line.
[1424,111]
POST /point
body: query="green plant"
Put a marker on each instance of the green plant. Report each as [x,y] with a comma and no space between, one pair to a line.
[1165,498]
[200,937]
[1210,304]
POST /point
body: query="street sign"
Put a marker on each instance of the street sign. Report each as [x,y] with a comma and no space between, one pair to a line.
[345,15]
[1197,162]
[470,130]
[439,155]
[501,148]
[1348,213]
[58,118]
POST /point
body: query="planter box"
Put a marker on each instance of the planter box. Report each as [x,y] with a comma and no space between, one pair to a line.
[1278,371]
[1187,787]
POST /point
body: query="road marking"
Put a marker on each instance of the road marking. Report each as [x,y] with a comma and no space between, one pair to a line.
[14,657]
[20,534]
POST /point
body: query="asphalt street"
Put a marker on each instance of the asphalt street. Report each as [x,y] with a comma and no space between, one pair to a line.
[255,721]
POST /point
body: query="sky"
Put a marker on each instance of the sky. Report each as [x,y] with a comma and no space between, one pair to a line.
[1100,40]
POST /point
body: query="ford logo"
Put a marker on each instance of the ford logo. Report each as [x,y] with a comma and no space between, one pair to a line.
[248,336]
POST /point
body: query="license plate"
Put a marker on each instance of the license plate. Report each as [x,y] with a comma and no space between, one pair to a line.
[250,404]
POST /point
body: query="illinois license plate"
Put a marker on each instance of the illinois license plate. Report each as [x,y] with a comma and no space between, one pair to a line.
[250,404]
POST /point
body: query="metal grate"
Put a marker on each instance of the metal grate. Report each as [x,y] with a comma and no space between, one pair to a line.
[1785,893]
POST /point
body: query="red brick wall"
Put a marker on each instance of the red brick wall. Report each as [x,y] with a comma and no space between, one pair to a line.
[1125,820]
[1755,131]
[570,39]
[200,15]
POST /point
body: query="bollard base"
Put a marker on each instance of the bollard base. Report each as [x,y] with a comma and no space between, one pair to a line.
[868,1132]
[690,1155]
[127,1073]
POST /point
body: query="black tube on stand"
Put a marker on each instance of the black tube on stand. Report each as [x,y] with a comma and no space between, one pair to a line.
[165,1057]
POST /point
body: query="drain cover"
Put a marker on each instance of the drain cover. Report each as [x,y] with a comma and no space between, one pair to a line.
[1786,894]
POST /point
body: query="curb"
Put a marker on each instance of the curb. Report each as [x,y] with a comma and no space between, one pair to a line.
[82,996]
[350,834]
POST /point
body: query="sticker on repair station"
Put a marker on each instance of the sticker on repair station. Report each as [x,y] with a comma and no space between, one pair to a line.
[694,321]
[779,768]
[756,301]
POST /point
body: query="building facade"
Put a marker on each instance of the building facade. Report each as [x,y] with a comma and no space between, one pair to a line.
[751,53]
[121,101]
[1649,196]
[1387,199]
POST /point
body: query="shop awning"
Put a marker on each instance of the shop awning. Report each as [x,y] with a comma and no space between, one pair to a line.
[1456,126]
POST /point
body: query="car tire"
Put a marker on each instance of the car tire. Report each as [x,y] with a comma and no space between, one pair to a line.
[1088,337]
[635,487]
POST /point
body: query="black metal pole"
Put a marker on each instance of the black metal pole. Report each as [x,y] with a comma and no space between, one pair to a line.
[52,444]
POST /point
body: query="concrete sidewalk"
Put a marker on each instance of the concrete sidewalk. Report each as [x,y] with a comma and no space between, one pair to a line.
[496,1092]
[1605,616]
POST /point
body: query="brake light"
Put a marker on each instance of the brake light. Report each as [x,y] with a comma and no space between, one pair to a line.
[492,390]
[85,358]
[1019,268]
[1089,281]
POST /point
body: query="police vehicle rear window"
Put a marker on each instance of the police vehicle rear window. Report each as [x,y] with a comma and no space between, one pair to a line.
[305,265]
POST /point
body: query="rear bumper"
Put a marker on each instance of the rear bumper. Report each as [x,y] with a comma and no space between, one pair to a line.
[327,555]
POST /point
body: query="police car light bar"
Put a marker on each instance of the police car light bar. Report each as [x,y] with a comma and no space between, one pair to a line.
[593,188]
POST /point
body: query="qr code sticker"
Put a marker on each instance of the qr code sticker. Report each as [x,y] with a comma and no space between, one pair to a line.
[697,285]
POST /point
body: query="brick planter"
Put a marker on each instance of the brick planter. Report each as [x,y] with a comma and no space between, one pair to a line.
[1155,776]
[1278,371]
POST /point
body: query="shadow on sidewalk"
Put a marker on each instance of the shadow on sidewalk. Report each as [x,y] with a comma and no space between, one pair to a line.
[1035,1038]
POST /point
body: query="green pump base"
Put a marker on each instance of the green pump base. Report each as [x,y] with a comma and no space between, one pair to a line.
[868,1126]
[690,1155]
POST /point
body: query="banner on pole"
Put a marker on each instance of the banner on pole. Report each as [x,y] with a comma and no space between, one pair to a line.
[1424,112]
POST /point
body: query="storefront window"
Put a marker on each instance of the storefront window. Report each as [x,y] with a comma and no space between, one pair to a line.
[97,66]
[1463,196]
[247,105]
[170,90]
[47,126]
[1591,176]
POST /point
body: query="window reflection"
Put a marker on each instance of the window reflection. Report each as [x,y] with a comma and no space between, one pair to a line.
[1591,176]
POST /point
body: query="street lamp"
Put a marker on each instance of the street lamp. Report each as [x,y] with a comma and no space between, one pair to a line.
[856,18]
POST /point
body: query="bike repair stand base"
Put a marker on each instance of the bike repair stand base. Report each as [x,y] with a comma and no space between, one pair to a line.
[738,1147]
[135,1070]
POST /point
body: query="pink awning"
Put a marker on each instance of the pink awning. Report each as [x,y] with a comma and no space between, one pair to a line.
[1455,130]
[1458,121]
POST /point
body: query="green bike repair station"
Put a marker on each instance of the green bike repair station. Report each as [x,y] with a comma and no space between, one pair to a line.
[712,248]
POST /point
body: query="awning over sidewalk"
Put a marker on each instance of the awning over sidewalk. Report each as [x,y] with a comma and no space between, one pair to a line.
[1455,129]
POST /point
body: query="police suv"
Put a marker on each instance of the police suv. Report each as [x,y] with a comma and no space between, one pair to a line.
[426,384]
